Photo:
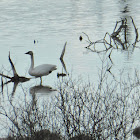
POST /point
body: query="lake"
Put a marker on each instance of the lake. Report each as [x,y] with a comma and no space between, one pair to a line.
[44,26]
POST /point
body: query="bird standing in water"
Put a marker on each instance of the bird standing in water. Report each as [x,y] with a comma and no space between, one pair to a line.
[40,70]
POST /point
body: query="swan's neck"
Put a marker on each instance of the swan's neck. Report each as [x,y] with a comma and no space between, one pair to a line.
[32,62]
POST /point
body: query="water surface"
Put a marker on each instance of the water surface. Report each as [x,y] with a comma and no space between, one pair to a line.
[51,24]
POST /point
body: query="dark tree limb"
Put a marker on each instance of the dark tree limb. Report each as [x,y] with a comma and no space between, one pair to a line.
[16,78]
[118,37]
[13,67]
[136,32]
[63,52]
[62,62]
[5,76]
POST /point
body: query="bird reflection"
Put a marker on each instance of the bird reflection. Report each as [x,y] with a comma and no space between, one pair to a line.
[41,89]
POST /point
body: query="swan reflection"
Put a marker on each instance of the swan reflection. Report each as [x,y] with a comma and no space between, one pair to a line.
[41,89]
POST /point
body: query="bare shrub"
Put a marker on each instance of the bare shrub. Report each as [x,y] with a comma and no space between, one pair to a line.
[108,109]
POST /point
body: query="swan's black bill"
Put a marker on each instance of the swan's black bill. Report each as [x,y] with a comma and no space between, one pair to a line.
[29,52]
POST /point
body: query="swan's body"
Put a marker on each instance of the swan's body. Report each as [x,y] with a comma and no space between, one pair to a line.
[40,70]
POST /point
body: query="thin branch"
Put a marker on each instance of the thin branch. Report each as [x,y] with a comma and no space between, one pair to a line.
[63,52]
[13,67]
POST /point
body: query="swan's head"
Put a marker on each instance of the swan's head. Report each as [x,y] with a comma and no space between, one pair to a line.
[30,53]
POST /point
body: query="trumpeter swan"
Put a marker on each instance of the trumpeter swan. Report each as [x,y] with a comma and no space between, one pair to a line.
[40,70]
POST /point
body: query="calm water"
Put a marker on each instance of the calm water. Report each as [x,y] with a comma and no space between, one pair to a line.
[51,24]
[54,23]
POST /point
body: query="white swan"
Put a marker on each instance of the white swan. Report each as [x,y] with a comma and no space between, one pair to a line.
[40,70]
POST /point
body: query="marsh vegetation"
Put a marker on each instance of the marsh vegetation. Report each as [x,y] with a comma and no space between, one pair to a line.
[109,110]
[81,109]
